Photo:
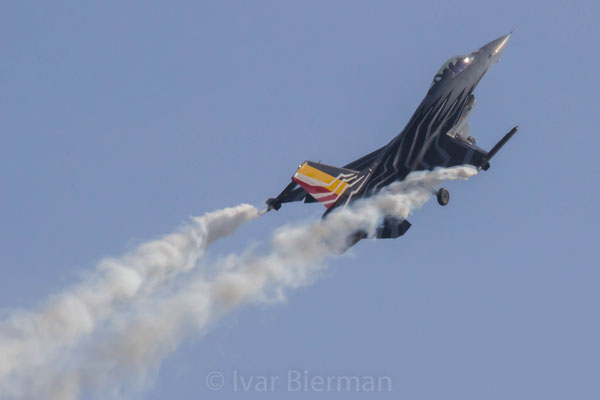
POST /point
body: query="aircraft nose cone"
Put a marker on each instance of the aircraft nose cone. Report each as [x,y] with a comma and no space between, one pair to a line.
[495,47]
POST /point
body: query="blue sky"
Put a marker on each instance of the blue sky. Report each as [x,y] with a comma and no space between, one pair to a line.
[120,119]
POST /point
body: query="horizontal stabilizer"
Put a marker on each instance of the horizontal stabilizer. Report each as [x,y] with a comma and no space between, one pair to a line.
[324,182]
[392,227]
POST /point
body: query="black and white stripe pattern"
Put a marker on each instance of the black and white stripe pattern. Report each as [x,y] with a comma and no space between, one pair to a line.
[406,152]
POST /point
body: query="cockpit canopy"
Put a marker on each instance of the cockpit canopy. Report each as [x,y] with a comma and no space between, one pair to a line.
[452,68]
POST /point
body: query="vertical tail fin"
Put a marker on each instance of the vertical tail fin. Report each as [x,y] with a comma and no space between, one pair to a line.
[324,182]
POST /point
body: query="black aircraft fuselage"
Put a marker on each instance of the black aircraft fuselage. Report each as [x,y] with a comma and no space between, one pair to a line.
[437,135]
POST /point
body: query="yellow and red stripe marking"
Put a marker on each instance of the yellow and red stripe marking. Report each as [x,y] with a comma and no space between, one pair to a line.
[323,187]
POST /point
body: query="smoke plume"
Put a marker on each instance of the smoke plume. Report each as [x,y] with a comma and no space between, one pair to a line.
[31,340]
[110,333]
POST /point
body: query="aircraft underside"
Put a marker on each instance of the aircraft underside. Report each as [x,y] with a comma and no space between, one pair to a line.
[437,135]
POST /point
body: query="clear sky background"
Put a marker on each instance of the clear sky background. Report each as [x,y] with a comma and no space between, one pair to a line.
[118,120]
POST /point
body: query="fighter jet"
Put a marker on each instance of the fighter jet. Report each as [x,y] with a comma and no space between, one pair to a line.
[437,135]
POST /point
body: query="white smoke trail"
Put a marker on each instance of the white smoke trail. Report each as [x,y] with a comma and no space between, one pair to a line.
[132,344]
[29,340]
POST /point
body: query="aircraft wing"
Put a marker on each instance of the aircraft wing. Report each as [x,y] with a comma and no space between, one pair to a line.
[293,192]
[364,161]
[448,152]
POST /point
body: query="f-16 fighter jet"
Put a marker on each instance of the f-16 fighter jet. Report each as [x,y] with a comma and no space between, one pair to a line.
[437,135]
